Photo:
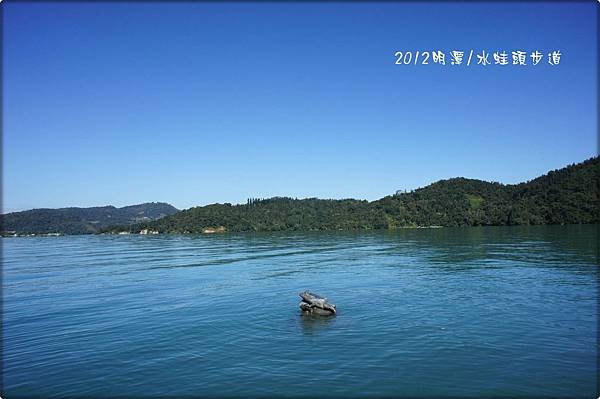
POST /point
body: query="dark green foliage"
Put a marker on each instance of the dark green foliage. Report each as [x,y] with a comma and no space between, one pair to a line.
[274,214]
[568,195]
[565,196]
[82,220]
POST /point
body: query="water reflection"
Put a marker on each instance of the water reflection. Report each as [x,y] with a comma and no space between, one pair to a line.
[456,249]
[312,324]
[509,309]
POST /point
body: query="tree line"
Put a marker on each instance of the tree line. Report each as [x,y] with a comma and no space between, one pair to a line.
[565,196]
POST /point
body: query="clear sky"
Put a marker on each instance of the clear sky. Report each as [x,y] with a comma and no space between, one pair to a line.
[196,103]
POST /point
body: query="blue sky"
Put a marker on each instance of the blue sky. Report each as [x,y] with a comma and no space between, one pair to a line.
[196,103]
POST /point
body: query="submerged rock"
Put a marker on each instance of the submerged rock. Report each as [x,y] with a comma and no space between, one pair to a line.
[316,304]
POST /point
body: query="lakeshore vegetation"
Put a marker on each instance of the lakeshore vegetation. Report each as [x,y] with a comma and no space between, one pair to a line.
[81,220]
[565,196]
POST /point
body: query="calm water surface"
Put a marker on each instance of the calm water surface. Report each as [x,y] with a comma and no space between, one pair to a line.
[429,312]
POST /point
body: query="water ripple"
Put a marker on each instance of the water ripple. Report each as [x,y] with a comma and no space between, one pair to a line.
[422,312]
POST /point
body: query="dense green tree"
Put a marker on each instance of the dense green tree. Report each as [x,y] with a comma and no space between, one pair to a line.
[568,195]
[565,196]
[82,220]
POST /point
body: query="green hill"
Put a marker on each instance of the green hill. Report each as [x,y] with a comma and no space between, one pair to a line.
[565,196]
[82,220]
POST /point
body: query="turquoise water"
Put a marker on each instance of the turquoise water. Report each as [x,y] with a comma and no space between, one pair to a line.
[423,312]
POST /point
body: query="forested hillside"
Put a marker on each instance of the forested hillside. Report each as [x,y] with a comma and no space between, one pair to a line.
[565,196]
[81,220]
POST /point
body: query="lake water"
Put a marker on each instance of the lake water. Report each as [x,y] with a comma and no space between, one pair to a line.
[496,311]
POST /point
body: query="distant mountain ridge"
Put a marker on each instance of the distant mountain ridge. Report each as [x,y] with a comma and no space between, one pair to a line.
[82,220]
[565,196]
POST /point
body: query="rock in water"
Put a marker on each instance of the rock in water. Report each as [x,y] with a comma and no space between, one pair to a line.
[316,304]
